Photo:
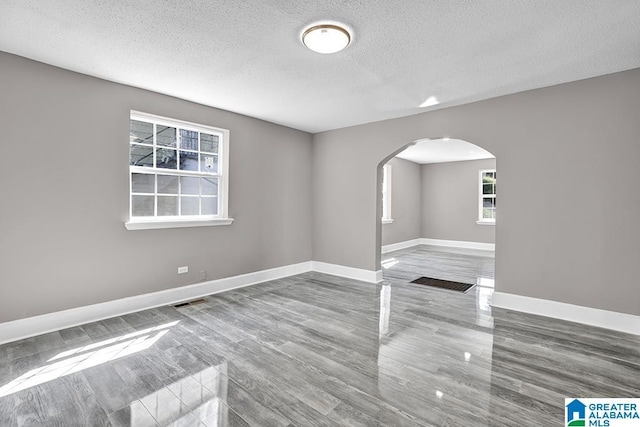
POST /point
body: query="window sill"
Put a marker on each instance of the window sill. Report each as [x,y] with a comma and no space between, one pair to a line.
[158,224]
[387,221]
[485,222]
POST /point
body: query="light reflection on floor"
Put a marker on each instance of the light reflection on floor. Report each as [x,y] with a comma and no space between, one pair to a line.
[78,359]
[397,341]
[315,349]
[200,396]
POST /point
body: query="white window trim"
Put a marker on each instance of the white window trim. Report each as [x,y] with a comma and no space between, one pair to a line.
[222,218]
[386,194]
[176,223]
[481,220]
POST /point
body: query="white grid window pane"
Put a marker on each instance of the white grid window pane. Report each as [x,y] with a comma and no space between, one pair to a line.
[488,181]
[189,205]
[188,140]
[166,158]
[141,155]
[174,168]
[209,186]
[188,161]
[142,205]
[140,132]
[209,163]
[208,143]
[168,184]
[165,136]
[189,185]
[209,205]
[143,183]
[167,205]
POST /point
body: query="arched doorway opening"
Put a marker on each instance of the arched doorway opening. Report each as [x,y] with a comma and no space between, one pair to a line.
[437,204]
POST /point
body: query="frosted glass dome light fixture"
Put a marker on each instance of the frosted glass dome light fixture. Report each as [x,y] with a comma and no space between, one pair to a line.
[326,38]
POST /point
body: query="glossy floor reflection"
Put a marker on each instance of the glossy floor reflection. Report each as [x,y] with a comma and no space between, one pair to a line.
[319,350]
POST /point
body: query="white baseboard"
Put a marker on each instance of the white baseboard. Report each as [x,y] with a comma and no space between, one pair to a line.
[459,244]
[621,322]
[36,325]
[401,245]
[438,242]
[348,272]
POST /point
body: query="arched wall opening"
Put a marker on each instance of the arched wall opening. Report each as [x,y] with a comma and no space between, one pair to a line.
[438,191]
[550,138]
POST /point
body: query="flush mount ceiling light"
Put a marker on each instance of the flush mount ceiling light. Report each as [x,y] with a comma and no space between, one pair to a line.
[326,38]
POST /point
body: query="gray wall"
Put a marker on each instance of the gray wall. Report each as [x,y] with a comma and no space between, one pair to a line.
[568,156]
[568,226]
[450,201]
[64,139]
[405,202]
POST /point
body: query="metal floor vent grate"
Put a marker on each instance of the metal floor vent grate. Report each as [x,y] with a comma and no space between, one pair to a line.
[443,284]
[194,302]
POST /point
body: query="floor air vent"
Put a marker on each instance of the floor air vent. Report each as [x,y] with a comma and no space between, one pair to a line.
[443,284]
[194,302]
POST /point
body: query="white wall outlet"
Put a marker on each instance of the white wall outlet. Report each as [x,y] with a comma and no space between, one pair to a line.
[203,275]
[184,269]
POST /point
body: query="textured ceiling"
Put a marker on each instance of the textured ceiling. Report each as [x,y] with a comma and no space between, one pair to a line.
[443,150]
[245,56]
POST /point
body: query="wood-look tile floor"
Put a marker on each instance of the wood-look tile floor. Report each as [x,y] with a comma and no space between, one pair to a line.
[317,350]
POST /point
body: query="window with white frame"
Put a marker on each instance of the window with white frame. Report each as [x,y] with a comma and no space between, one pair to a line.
[386,194]
[178,173]
[487,196]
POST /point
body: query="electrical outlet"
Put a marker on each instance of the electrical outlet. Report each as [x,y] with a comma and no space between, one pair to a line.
[184,269]
[203,275]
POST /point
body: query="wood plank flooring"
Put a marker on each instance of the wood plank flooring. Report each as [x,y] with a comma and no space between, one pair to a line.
[318,350]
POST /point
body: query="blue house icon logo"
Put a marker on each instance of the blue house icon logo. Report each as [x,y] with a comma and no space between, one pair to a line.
[576,413]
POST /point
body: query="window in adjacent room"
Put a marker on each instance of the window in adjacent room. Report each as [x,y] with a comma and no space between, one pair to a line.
[487,196]
[386,194]
[178,173]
